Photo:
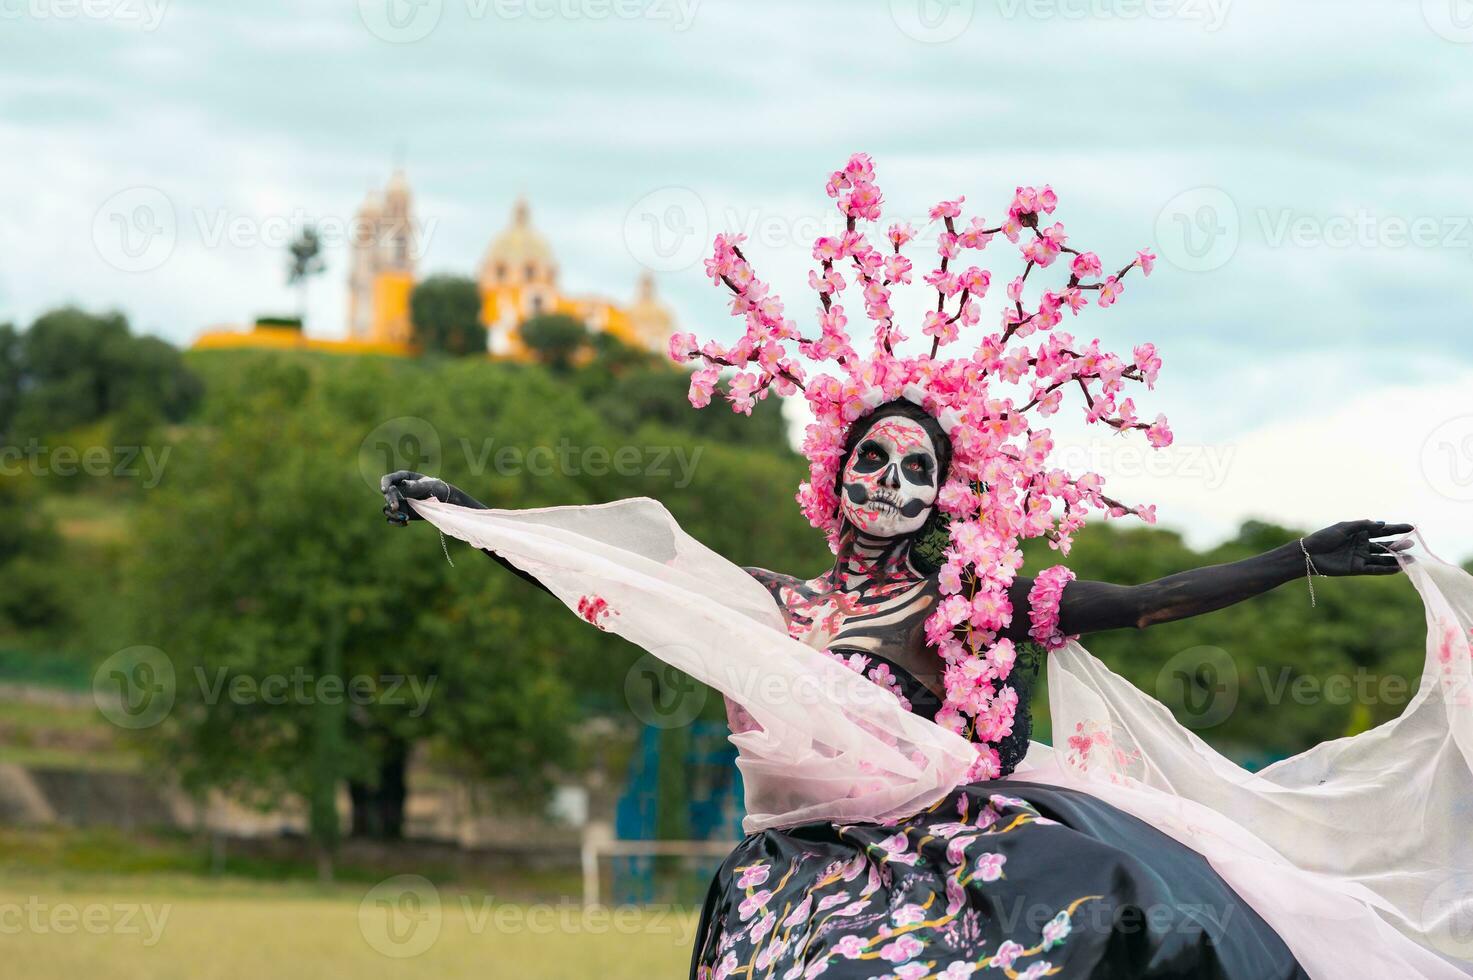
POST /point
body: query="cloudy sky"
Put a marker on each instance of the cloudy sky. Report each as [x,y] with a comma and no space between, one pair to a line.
[1302,168]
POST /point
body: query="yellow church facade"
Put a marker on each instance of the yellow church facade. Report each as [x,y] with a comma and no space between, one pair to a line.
[518,279]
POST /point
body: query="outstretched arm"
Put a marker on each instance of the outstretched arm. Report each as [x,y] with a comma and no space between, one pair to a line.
[402,486]
[1347,548]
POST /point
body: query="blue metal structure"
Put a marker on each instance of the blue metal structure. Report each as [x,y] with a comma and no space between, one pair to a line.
[713,805]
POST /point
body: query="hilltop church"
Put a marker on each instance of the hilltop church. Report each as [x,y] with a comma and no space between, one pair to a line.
[518,279]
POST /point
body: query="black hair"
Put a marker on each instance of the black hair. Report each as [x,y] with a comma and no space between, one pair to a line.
[937,522]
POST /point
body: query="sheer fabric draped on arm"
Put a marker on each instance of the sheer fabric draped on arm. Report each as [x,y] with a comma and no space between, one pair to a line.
[831,745]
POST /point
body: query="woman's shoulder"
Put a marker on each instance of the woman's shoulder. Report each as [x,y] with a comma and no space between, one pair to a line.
[772,581]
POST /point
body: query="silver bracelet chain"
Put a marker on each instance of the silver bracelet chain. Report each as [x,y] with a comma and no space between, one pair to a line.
[1309,571]
[443,546]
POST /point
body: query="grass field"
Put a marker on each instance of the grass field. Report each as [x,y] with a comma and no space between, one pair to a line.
[59,927]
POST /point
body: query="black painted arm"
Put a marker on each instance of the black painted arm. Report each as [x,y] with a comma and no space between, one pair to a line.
[1347,548]
[404,485]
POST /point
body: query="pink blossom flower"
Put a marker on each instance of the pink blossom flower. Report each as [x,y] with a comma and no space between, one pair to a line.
[947,209]
[986,765]
[976,281]
[938,325]
[1056,930]
[831,901]
[956,849]
[903,948]
[851,947]
[1147,362]
[1007,954]
[1109,291]
[1086,264]
[799,914]
[740,391]
[989,866]
[702,384]
[897,268]
[828,249]
[1146,260]
[896,849]
[908,915]
[1042,251]
[1043,603]
[956,897]
[958,498]
[1159,434]
[683,346]
[754,904]
[753,876]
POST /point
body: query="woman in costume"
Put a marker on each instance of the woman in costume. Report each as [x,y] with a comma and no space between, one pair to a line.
[901,824]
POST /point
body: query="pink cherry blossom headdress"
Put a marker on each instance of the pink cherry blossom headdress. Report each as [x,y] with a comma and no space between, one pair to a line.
[1001,488]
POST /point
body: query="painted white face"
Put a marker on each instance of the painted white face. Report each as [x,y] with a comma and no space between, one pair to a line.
[889,482]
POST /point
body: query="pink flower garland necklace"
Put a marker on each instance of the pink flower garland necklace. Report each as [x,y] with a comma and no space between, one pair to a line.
[1002,487]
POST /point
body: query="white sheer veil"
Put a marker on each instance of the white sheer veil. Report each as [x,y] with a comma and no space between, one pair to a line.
[1315,843]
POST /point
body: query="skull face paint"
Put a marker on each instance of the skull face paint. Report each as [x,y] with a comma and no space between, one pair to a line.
[889,481]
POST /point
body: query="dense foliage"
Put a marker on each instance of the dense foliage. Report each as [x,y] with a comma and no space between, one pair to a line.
[446,313]
[555,339]
[73,368]
[29,544]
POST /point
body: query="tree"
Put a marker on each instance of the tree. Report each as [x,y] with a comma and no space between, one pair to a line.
[73,368]
[446,313]
[10,374]
[32,598]
[612,358]
[555,339]
[306,261]
[278,556]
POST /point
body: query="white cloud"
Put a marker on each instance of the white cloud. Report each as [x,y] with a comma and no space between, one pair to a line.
[1389,451]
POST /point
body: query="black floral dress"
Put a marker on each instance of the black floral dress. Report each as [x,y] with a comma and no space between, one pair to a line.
[1000,879]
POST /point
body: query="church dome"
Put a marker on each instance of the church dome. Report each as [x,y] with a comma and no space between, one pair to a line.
[519,254]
